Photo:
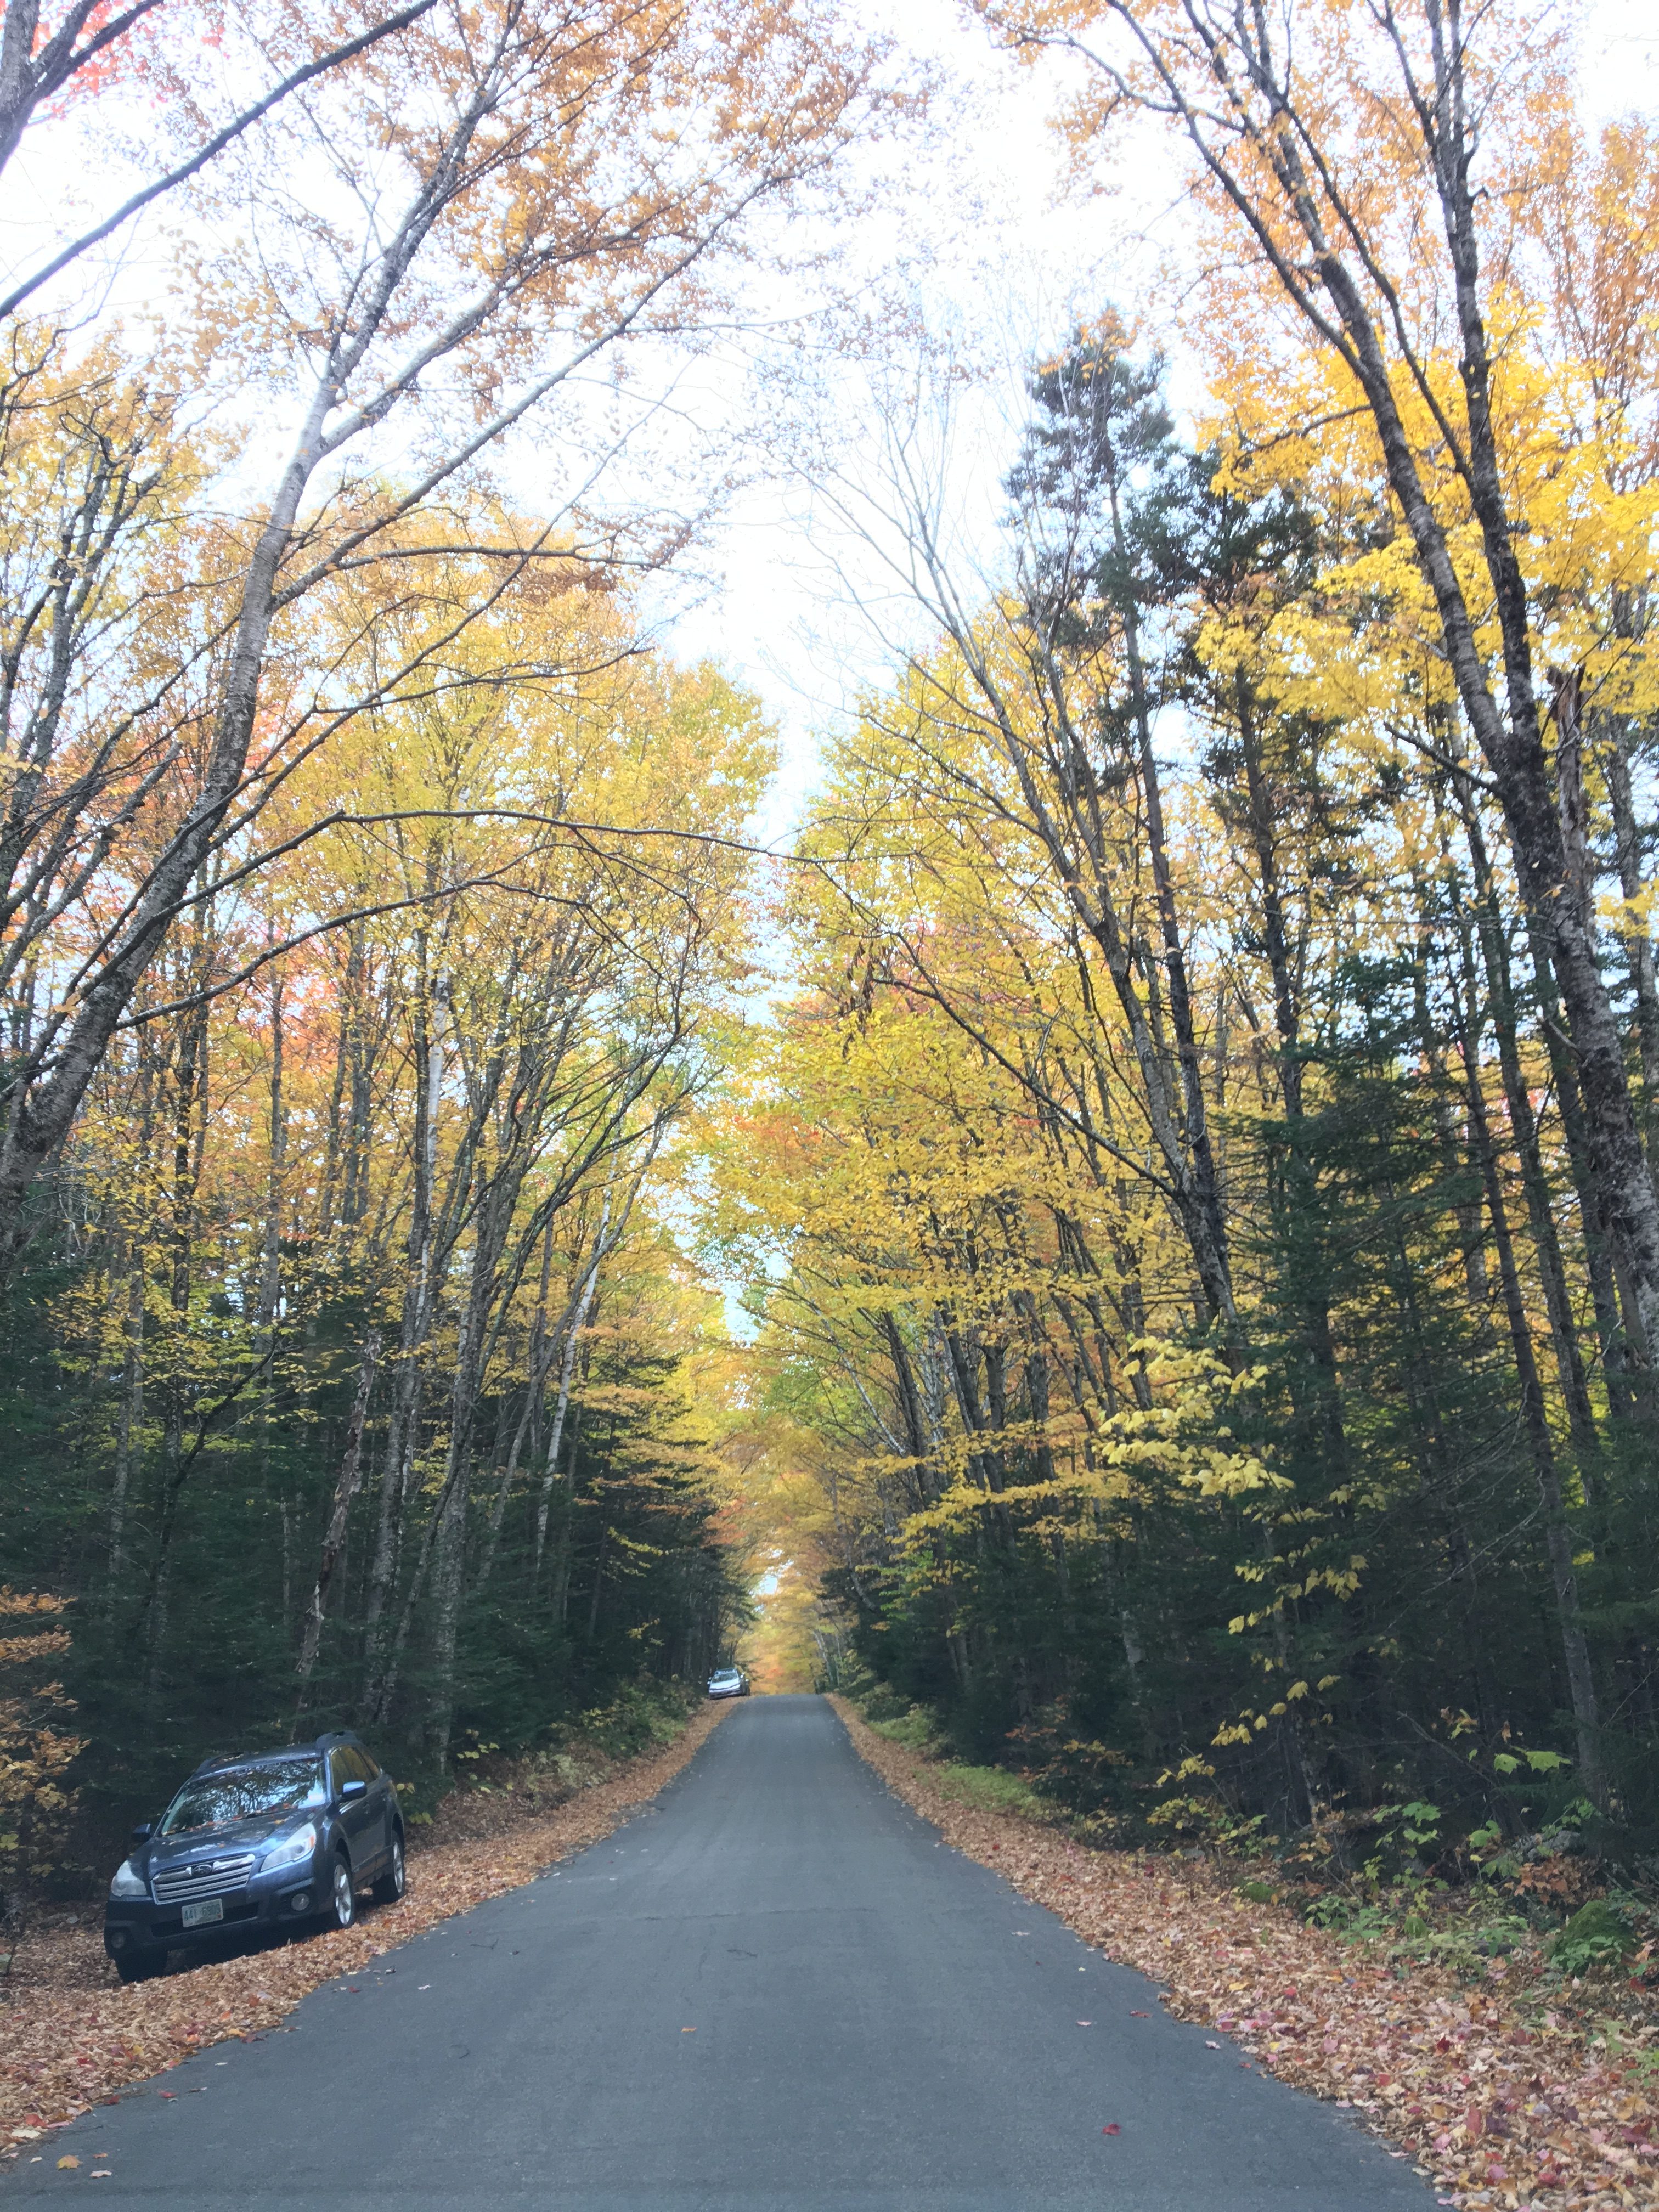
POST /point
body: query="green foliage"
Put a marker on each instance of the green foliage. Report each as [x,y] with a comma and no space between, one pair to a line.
[878,1701]
[914,1729]
[633,1591]
[989,1789]
[1466,1947]
[1598,1934]
[1417,1823]
[1361,1920]
[642,1715]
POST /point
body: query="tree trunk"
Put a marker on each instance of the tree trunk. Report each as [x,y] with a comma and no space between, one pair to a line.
[345,1489]
[1558,1535]
[415,1326]
[1635,936]
[539,1357]
[129,1416]
[577,1323]
[1618,1326]
[1540,1214]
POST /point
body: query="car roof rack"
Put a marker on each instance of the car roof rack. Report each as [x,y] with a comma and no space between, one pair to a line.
[221,1759]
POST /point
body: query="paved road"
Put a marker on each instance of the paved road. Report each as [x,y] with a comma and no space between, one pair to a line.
[880,2026]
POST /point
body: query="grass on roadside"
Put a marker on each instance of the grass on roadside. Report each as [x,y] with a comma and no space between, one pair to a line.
[986,1788]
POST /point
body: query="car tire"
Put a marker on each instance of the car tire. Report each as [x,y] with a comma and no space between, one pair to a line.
[342,1907]
[142,1969]
[389,1888]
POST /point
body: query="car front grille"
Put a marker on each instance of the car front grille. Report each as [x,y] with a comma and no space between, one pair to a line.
[183,1885]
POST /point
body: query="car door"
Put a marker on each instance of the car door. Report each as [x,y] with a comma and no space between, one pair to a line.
[383,1798]
[359,1815]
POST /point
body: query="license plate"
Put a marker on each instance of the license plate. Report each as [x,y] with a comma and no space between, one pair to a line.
[211,1908]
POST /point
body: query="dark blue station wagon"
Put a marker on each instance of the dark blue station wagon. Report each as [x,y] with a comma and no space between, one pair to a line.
[253,1845]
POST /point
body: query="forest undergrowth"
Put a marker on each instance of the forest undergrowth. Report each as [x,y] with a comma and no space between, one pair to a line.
[71,2037]
[1514,2084]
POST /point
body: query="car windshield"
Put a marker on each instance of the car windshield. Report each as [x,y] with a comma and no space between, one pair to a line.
[211,1800]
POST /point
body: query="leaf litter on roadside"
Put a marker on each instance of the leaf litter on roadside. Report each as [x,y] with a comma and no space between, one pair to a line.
[1508,2111]
[71,2037]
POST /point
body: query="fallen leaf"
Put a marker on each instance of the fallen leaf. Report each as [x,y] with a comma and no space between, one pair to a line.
[1111,2127]
[64,2162]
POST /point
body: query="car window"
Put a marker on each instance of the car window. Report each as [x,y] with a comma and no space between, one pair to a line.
[210,1801]
[366,1765]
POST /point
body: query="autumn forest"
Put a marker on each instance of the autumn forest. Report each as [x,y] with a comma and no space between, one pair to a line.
[1129,1229]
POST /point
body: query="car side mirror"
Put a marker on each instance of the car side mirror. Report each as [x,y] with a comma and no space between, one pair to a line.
[350,1791]
[143,1832]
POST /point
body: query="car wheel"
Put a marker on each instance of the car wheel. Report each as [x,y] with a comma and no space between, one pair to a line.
[390,1887]
[342,1905]
[142,1969]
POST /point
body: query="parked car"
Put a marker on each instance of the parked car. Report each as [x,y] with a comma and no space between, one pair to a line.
[728,1682]
[255,1845]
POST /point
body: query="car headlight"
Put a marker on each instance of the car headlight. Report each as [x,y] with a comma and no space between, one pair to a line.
[128,1881]
[293,1851]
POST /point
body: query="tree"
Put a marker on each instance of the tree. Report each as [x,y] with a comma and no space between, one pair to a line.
[1033,1496]
[92,43]
[356,1296]
[549,194]
[1289,150]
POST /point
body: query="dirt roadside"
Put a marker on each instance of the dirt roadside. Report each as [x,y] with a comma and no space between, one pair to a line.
[72,2037]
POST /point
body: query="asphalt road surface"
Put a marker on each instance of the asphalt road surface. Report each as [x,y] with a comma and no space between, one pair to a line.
[775,1989]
